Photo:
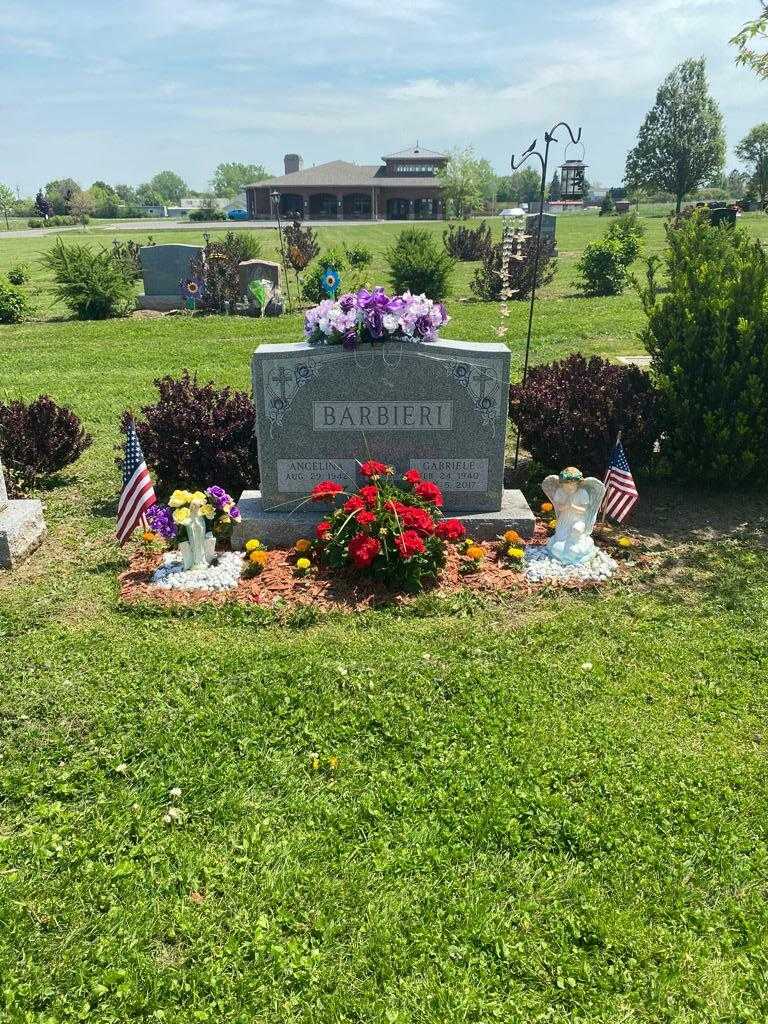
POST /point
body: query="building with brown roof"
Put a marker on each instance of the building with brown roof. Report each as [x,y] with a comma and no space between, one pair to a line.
[404,187]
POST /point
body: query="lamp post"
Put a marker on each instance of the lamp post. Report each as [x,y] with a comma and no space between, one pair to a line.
[549,138]
[275,197]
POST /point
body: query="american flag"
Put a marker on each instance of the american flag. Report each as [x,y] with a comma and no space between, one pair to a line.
[620,492]
[137,494]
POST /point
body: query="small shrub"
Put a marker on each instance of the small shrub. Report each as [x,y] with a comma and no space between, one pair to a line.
[603,268]
[708,336]
[38,439]
[127,254]
[207,213]
[629,230]
[417,263]
[242,245]
[35,222]
[58,221]
[197,432]
[90,282]
[358,256]
[464,243]
[20,273]
[301,245]
[15,307]
[570,412]
[607,206]
[507,268]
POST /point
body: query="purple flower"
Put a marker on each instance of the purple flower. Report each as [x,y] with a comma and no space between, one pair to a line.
[424,326]
[234,513]
[160,519]
[350,339]
[374,323]
[347,302]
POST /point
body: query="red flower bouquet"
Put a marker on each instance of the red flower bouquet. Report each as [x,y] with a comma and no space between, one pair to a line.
[389,530]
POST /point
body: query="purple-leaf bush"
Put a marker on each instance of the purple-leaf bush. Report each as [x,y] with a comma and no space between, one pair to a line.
[198,432]
[38,439]
[570,412]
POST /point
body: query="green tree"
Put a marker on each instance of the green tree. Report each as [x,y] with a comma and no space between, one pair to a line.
[747,56]
[146,195]
[555,189]
[230,179]
[169,187]
[521,186]
[466,181]
[59,193]
[7,199]
[736,183]
[753,150]
[680,145]
[82,205]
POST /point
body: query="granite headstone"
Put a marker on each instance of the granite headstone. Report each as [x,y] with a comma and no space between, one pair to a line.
[22,527]
[548,225]
[163,268]
[439,407]
[257,270]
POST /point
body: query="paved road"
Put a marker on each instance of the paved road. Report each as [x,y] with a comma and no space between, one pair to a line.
[167,224]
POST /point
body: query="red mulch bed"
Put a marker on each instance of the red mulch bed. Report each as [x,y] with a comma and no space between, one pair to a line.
[328,590]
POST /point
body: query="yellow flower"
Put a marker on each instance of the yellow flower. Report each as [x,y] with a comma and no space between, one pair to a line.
[625,542]
[515,552]
[552,524]
[303,564]
[314,761]
[253,545]
[148,536]
[333,763]
[181,515]
[224,520]
[179,498]
[475,552]
[199,496]
[258,557]
[303,545]
[208,511]
[511,536]
[547,506]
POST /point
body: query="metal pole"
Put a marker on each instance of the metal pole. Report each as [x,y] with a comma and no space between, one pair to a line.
[276,197]
[549,137]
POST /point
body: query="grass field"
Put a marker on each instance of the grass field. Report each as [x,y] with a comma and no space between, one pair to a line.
[508,834]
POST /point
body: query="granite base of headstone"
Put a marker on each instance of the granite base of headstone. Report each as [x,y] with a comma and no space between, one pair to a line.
[439,407]
[163,268]
[22,527]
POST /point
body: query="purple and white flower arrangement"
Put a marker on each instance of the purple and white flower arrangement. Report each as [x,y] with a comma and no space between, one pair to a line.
[374,316]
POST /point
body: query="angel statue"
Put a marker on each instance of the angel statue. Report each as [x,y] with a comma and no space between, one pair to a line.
[199,550]
[576,501]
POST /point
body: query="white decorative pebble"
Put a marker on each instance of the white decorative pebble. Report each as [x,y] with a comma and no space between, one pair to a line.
[540,567]
[224,574]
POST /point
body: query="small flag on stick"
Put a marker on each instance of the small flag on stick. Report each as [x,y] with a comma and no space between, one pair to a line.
[137,494]
[620,492]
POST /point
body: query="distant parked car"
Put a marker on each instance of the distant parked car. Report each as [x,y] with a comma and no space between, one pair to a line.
[238,215]
[515,211]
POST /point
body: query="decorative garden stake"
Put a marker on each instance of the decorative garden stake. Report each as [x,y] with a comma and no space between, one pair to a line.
[549,138]
[275,197]
[331,281]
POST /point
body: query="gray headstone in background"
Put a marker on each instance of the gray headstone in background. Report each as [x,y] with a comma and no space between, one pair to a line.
[548,224]
[163,268]
[257,270]
[3,489]
[440,407]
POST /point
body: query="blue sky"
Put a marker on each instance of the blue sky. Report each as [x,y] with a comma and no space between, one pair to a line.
[118,91]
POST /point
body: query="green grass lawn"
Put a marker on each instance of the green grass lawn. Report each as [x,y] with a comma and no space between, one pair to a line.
[508,835]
